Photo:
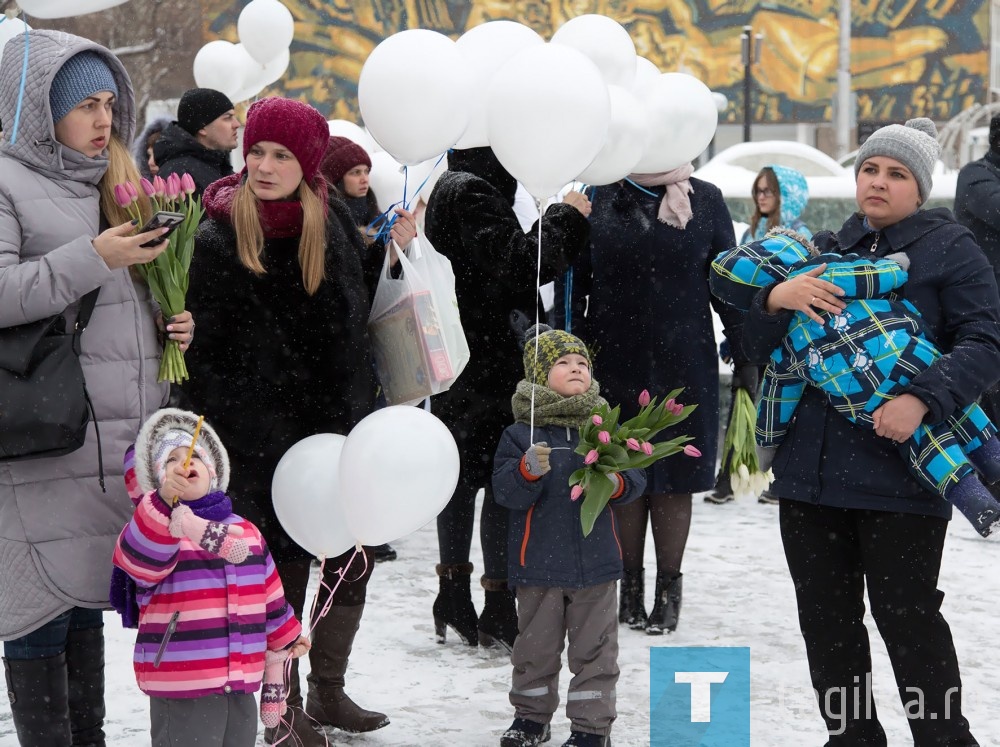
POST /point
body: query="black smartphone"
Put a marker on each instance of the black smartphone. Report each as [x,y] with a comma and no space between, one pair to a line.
[162,219]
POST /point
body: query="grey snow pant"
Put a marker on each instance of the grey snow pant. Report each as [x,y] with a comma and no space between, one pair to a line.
[211,721]
[544,617]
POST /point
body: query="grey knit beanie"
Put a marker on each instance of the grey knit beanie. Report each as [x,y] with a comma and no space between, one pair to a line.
[913,144]
[82,75]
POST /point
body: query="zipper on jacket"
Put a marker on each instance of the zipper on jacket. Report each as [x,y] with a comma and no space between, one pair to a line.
[875,243]
[171,627]
[527,534]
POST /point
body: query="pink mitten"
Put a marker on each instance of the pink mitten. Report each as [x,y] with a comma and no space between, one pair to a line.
[211,536]
[272,694]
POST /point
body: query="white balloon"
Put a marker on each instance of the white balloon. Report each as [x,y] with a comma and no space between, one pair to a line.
[386,179]
[605,42]
[626,142]
[359,135]
[398,469]
[682,122]
[221,65]
[65,8]
[258,77]
[266,28]
[548,112]
[304,490]
[486,48]
[9,28]
[414,93]
[646,73]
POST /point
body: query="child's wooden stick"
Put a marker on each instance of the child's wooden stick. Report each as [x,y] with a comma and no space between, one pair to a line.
[187,459]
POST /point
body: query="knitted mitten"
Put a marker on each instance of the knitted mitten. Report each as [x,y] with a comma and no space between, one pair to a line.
[211,536]
[272,694]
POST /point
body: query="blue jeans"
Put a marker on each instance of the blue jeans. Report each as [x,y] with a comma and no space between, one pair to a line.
[50,639]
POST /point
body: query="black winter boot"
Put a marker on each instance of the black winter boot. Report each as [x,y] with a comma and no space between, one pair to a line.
[39,700]
[85,674]
[631,608]
[296,728]
[498,623]
[383,553]
[667,608]
[453,606]
[586,739]
[723,490]
[332,641]
[525,733]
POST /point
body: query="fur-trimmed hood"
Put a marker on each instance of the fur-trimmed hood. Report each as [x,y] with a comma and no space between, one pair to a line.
[173,419]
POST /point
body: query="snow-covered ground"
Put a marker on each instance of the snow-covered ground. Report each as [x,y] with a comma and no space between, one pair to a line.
[736,593]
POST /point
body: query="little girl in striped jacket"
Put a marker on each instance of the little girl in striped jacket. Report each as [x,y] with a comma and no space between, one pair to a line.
[212,616]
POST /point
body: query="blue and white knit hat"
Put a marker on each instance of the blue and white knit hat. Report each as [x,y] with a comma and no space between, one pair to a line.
[82,75]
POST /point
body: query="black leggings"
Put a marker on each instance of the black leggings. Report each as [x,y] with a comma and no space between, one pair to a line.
[351,592]
[455,524]
[832,554]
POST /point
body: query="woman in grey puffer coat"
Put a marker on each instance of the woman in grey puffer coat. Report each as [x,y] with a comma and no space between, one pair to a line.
[62,236]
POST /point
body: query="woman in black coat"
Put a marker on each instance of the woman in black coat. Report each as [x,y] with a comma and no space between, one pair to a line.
[851,515]
[644,285]
[277,272]
[470,219]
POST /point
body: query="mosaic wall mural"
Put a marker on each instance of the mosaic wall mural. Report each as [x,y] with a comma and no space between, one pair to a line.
[909,57]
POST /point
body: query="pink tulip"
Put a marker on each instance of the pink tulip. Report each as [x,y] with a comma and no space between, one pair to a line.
[575,493]
[122,196]
[691,451]
[592,456]
[633,444]
[597,420]
[643,398]
[647,448]
[604,437]
[132,191]
[187,184]
[147,187]
[159,186]
[173,187]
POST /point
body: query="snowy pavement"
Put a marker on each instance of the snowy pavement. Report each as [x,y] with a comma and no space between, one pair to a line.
[736,593]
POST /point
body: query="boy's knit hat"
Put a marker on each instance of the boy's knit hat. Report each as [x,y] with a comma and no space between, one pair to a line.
[82,75]
[201,106]
[167,430]
[552,345]
[295,125]
[342,155]
[913,144]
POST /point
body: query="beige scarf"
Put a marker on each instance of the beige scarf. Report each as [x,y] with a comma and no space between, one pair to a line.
[675,207]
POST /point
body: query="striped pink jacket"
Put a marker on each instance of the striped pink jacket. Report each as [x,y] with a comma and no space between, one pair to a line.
[228,615]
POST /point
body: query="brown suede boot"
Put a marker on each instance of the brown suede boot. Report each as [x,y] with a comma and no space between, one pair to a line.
[296,728]
[332,640]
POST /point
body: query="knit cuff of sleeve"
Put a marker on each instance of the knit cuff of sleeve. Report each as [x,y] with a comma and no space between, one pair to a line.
[523,468]
[620,490]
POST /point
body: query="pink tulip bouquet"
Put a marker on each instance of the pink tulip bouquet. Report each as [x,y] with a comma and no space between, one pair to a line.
[739,451]
[167,275]
[608,446]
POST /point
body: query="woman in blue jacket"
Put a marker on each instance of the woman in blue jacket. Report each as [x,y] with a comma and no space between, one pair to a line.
[850,513]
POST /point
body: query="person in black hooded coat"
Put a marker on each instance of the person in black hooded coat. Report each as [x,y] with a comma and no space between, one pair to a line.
[470,219]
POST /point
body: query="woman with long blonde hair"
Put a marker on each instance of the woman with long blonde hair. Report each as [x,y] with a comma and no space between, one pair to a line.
[69,108]
[277,279]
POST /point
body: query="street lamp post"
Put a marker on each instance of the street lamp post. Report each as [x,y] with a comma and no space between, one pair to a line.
[750,45]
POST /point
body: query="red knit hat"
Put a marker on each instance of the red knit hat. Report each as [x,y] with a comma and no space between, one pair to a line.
[342,156]
[293,124]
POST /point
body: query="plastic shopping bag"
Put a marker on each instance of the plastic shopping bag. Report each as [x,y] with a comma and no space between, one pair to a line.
[416,333]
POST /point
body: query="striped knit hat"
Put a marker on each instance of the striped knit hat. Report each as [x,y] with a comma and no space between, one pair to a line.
[552,344]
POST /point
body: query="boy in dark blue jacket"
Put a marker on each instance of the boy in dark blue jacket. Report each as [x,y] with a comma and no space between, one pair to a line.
[566,583]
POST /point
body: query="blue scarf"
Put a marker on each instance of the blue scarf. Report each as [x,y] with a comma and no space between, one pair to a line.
[124,592]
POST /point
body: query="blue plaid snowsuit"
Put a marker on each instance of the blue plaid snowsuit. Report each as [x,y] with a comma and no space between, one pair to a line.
[861,358]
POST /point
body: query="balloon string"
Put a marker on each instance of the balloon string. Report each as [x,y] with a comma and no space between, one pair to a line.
[641,188]
[538,289]
[24,82]
[315,617]
[379,228]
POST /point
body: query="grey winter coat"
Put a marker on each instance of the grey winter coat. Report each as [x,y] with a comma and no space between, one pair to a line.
[57,528]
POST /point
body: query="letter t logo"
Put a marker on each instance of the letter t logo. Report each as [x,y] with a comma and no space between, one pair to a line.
[701,692]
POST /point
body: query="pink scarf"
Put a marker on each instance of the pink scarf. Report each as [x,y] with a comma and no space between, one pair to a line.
[675,207]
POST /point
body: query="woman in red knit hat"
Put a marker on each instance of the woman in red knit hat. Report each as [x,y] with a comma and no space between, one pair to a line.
[279,271]
[347,167]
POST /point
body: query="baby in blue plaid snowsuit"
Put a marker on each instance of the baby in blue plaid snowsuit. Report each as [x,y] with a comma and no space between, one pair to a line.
[861,358]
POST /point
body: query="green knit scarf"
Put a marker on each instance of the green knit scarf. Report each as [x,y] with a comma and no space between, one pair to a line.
[552,408]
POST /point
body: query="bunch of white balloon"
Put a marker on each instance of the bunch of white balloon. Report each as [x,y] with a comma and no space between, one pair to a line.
[241,71]
[65,8]
[581,107]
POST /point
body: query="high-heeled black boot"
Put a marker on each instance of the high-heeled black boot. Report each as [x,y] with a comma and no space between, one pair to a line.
[498,623]
[631,607]
[667,609]
[453,607]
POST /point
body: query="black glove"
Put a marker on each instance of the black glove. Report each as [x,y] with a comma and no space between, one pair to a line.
[746,377]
